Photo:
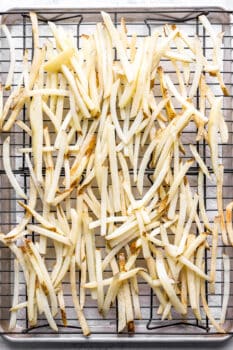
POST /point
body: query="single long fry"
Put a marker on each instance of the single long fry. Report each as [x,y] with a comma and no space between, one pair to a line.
[79,312]
[226,292]
[13,317]
[166,284]
[116,40]
[57,170]
[11,68]
[8,170]
[50,234]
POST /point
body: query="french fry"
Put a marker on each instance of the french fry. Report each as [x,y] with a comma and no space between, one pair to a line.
[36,121]
[57,170]
[13,317]
[121,310]
[113,168]
[229,221]
[8,170]
[207,310]
[10,74]
[50,234]
[44,306]
[55,63]
[116,41]
[24,127]
[198,68]
[213,134]
[90,252]
[83,274]
[99,279]
[166,284]
[214,255]
[61,302]
[201,200]
[31,296]
[216,50]
[199,261]
[80,314]
[226,292]
[199,161]
[220,176]
[46,278]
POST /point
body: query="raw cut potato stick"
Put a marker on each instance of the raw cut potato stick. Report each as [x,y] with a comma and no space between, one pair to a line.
[9,79]
[99,280]
[114,168]
[31,297]
[226,292]
[201,200]
[8,170]
[13,317]
[43,302]
[57,170]
[80,314]
[33,176]
[83,274]
[115,37]
[162,274]
[24,127]
[198,68]
[104,183]
[90,252]
[36,121]
[229,221]
[32,249]
[61,302]
[213,134]
[199,161]
[220,176]
[214,255]
[216,51]
[191,282]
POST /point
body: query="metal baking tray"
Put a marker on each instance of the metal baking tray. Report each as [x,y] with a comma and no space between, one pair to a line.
[150,328]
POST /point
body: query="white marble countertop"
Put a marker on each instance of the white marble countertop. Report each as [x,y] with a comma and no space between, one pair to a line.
[6,4]
[14,4]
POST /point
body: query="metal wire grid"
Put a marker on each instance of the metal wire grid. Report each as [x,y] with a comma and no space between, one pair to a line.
[143,24]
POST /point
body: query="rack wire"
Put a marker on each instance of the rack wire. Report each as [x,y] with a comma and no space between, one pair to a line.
[143,23]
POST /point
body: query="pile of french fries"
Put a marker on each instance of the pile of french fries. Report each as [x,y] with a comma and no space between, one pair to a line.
[88,167]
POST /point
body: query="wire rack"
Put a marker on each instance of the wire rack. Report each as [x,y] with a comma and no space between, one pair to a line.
[142,23]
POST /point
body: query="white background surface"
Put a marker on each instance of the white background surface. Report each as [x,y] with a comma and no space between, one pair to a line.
[6,4]
[9,4]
